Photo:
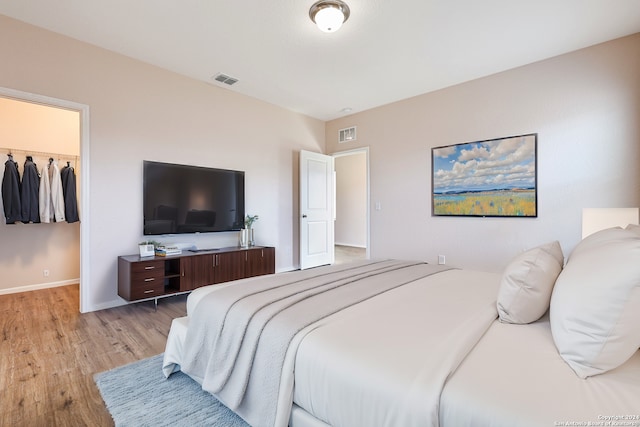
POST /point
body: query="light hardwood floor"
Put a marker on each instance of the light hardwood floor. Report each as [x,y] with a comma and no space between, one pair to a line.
[345,254]
[50,352]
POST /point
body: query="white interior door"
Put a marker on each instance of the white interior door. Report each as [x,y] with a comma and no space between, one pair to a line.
[316,209]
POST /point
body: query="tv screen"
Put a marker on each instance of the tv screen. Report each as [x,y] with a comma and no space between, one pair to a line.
[191,199]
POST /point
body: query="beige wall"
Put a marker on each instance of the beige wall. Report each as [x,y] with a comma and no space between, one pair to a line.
[34,127]
[30,249]
[585,107]
[351,200]
[140,112]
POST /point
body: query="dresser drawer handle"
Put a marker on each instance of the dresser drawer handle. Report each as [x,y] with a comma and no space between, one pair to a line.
[151,279]
[150,291]
[150,267]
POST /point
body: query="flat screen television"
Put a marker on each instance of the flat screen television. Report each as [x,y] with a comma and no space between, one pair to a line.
[191,199]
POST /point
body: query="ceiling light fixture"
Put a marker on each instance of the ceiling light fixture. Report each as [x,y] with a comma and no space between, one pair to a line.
[329,15]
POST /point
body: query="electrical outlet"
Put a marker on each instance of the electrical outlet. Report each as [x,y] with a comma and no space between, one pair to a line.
[441,260]
[45,273]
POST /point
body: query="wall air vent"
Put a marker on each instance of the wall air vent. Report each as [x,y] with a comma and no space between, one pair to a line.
[347,135]
[223,78]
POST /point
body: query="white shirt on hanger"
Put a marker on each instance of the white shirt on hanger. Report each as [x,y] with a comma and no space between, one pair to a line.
[51,197]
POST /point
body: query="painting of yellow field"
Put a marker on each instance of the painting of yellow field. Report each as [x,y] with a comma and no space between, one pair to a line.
[486,178]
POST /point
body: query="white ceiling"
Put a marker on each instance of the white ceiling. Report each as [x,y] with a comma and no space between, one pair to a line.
[388,50]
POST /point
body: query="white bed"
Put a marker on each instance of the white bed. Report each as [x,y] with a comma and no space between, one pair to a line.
[515,377]
[430,352]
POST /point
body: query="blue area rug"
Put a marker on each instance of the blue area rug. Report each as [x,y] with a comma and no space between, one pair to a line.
[139,395]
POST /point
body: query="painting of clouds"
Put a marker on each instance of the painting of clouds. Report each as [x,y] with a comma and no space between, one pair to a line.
[496,177]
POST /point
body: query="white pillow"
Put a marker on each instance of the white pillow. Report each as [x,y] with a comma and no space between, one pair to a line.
[595,305]
[527,283]
[633,227]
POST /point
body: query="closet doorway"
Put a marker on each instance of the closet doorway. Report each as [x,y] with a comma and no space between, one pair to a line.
[47,130]
[351,225]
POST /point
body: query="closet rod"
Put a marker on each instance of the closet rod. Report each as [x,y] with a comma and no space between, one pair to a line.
[39,153]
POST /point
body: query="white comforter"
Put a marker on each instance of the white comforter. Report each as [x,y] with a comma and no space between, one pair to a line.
[384,362]
[515,377]
[429,325]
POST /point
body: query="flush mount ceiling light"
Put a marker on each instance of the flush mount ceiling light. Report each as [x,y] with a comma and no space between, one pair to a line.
[329,15]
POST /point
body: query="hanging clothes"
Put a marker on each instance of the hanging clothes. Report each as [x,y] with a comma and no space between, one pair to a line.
[51,198]
[69,193]
[11,192]
[30,192]
[57,195]
[45,196]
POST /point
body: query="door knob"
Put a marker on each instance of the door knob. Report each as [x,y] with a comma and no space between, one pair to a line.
[304,215]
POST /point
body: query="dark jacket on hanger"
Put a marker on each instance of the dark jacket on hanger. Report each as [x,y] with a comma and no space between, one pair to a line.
[30,192]
[68,176]
[11,192]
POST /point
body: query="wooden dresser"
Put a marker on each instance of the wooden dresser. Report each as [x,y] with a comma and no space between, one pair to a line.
[156,277]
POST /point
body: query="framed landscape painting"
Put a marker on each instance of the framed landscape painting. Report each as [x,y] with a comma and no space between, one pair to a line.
[492,178]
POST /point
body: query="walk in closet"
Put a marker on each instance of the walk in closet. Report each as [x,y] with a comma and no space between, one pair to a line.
[40,240]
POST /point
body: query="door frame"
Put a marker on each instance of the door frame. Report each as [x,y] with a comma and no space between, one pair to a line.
[368,201]
[83,109]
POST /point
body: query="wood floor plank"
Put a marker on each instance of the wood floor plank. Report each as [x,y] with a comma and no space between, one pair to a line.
[50,353]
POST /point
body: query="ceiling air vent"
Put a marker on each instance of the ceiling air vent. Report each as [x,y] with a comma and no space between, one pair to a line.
[223,78]
[346,135]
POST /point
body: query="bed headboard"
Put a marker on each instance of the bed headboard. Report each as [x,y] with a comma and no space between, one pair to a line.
[596,219]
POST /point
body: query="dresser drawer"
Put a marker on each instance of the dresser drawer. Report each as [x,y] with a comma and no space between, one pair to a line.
[145,282]
[142,276]
[147,268]
[146,289]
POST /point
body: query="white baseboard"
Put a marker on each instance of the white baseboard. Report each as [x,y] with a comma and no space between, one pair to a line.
[105,305]
[38,286]
[350,245]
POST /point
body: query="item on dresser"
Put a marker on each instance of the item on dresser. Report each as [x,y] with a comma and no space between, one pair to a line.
[146,250]
[168,250]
